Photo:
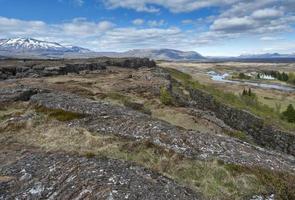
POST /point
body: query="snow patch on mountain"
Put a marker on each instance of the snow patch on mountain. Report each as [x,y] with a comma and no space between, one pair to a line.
[32,45]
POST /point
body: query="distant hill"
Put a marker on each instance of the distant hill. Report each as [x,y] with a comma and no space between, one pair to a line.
[163,54]
[267,56]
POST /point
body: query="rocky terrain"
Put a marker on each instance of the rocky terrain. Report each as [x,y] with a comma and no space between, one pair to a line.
[126,129]
[40,175]
[24,68]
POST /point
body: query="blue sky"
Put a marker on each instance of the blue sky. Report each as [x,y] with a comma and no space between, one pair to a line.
[210,27]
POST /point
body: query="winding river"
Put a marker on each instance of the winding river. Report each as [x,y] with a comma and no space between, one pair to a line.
[222,78]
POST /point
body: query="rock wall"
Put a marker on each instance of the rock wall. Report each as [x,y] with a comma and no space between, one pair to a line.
[11,72]
[263,134]
[20,93]
[62,67]
[134,63]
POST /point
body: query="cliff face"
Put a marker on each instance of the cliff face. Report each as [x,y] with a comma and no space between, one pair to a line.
[262,133]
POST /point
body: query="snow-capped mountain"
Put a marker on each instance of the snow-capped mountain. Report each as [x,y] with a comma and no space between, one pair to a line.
[163,54]
[33,46]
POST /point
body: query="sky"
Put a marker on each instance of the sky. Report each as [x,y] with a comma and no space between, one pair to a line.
[210,27]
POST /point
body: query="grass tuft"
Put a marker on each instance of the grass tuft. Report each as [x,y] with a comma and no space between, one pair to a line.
[59,114]
[239,135]
[279,183]
[128,102]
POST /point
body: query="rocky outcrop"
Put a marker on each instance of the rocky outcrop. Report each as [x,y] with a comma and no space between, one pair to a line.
[262,133]
[20,93]
[42,71]
[133,63]
[39,175]
[63,67]
[106,118]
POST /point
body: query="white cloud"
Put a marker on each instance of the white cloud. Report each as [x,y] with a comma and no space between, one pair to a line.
[187,21]
[73,2]
[255,17]
[100,36]
[78,2]
[16,26]
[173,5]
[83,28]
[267,13]
[138,22]
[142,5]
[105,25]
[79,29]
[126,38]
[155,23]
[235,24]
[271,38]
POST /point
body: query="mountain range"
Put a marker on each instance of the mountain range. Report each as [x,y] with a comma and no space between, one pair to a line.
[267,55]
[33,48]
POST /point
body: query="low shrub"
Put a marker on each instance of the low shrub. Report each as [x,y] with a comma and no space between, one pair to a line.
[244,76]
[165,96]
[90,155]
[289,114]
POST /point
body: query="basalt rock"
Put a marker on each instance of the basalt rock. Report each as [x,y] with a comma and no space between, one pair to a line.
[263,134]
[41,71]
[106,118]
[53,68]
[39,175]
[20,93]
[134,63]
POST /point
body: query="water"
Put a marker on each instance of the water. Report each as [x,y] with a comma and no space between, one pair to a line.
[222,78]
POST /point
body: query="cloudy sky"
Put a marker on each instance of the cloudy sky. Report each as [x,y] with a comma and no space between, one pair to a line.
[210,27]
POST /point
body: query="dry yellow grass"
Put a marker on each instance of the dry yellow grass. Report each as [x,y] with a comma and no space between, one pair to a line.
[211,178]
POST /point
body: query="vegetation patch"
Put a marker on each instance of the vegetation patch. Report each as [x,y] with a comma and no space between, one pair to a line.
[214,179]
[249,97]
[117,96]
[239,135]
[289,114]
[128,102]
[59,114]
[10,110]
[242,76]
[282,76]
[165,96]
[279,183]
[231,99]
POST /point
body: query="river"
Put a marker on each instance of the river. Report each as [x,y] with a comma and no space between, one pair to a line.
[222,78]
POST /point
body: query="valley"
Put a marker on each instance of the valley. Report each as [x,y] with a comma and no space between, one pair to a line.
[134,128]
[147,100]
[275,94]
